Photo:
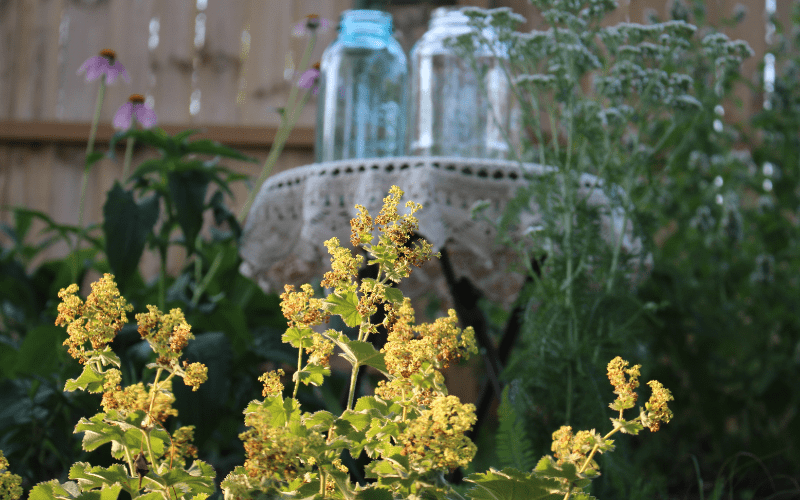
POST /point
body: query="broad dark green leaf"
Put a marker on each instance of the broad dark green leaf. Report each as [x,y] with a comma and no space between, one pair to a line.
[127,224]
[188,194]
[41,350]
[209,147]
[148,166]
[93,158]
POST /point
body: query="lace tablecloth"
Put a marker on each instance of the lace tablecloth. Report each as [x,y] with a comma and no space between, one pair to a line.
[297,210]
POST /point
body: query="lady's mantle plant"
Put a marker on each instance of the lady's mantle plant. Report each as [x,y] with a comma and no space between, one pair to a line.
[153,461]
[413,431]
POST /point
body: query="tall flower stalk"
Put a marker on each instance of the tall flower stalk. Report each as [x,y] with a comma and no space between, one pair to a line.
[106,67]
[291,112]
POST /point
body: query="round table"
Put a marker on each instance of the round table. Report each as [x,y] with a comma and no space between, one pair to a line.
[298,209]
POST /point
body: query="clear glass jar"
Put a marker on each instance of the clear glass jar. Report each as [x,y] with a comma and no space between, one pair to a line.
[361,108]
[453,112]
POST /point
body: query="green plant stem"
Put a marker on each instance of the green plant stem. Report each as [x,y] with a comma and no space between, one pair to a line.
[130,462]
[288,120]
[353,377]
[277,147]
[299,368]
[150,450]
[162,278]
[126,165]
[202,285]
[85,180]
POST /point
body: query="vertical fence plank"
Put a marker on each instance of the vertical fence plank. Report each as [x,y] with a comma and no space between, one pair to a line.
[36,59]
[9,45]
[172,61]
[218,61]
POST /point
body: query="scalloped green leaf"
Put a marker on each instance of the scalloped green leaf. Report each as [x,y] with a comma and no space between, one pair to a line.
[345,306]
[627,426]
[374,492]
[363,354]
[89,381]
[299,338]
[359,420]
[322,419]
[313,374]
[90,478]
[107,357]
[199,478]
[547,467]
[278,411]
[371,402]
[153,495]
[511,484]
[50,490]
[393,295]
[120,432]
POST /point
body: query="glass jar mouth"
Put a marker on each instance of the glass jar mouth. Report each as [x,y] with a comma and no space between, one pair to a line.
[361,22]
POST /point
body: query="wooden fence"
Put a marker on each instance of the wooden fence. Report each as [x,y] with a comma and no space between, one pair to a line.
[219,65]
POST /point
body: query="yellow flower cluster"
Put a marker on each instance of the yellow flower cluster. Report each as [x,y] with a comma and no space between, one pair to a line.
[10,488]
[320,351]
[574,448]
[656,407]
[194,374]
[301,309]
[272,383]
[624,387]
[97,321]
[398,230]
[344,267]
[440,343]
[168,334]
[136,397]
[436,440]
[181,447]
[276,453]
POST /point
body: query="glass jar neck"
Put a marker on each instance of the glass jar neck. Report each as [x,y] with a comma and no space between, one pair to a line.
[356,24]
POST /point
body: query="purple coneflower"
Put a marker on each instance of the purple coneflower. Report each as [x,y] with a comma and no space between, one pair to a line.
[310,24]
[310,79]
[104,64]
[136,109]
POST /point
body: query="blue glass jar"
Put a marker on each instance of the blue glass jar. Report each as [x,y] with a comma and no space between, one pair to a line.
[361,108]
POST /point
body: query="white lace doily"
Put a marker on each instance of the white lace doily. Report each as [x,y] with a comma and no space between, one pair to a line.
[297,210]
